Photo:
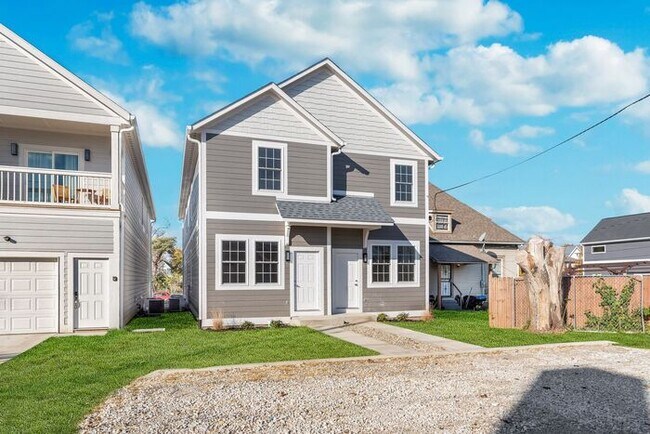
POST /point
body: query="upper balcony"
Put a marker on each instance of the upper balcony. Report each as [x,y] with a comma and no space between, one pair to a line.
[59,188]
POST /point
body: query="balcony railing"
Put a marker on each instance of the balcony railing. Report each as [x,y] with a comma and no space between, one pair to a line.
[54,187]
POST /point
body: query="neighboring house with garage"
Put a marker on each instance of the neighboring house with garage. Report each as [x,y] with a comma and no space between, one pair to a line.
[618,245]
[304,198]
[75,204]
[465,246]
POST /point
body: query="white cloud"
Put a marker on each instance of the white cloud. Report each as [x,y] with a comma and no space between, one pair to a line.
[157,129]
[495,81]
[643,166]
[96,39]
[368,36]
[510,143]
[526,221]
[633,201]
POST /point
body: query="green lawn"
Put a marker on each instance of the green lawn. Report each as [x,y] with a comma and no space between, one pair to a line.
[472,327]
[52,386]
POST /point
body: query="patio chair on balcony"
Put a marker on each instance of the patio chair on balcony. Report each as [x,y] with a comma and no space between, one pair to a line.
[61,194]
[104,197]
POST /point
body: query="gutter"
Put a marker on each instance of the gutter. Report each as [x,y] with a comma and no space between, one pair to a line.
[332,155]
[120,197]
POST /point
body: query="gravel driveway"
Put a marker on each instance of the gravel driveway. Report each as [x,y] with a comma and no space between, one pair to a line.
[589,389]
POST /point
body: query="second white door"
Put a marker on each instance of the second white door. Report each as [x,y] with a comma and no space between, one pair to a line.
[346,281]
[91,293]
[307,282]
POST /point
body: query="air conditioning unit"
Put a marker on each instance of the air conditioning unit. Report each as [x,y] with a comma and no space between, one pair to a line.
[155,306]
[174,304]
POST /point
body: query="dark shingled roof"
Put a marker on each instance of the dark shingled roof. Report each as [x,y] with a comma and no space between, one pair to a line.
[620,228]
[467,223]
[458,254]
[347,208]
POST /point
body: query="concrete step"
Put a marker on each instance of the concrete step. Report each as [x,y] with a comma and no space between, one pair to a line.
[333,320]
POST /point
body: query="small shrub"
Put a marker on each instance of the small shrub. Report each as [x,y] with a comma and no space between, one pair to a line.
[427,316]
[382,317]
[616,309]
[404,316]
[277,324]
[247,325]
[217,319]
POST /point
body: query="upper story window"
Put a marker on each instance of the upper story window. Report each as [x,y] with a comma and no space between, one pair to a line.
[52,160]
[598,249]
[441,222]
[269,167]
[403,179]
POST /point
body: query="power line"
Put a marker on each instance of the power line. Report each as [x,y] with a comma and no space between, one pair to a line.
[539,154]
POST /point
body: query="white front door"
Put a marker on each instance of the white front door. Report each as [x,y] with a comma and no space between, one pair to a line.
[346,280]
[307,282]
[29,296]
[91,292]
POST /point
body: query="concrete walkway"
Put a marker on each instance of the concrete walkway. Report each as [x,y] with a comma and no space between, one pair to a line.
[389,340]
[12,345]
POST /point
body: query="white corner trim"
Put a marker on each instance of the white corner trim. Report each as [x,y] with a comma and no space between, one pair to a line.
[284,178]
[410,221]
[393,244]
[250,263]
[248,216]
[353,193]
[414,193]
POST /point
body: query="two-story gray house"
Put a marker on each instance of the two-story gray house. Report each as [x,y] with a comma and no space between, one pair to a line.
[305,198]
[618,245]
[75,204]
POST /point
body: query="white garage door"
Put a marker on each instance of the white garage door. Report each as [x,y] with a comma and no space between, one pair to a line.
[28,296]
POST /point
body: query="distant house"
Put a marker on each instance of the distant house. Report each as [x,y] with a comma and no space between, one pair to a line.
[618,245]
[464,246]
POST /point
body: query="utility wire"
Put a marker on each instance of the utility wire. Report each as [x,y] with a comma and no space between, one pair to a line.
[539,154]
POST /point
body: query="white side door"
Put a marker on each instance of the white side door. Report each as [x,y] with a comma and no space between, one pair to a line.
[307,279]
[91,293]
[346,281]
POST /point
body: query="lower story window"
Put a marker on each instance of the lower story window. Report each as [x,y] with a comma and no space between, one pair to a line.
[405,264]
[233,261]
[266,262]
[381,263]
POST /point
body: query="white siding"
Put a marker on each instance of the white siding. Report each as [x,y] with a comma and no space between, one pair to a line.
[27,83]
[137,241]
[269,116]
[471,279]
[510,267]
[344,112]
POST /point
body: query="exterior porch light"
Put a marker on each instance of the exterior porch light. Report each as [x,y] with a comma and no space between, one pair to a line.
[364,256]
[86,154]
[8,239]
[14,149]
[287,255]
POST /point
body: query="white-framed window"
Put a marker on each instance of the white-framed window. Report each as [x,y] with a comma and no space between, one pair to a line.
[249,262]
[403,183]
[393,263]
[597,250]
[269,168]
[441,222]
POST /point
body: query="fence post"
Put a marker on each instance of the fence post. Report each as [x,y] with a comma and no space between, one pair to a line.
[575,301]
[642,306]
[514,304]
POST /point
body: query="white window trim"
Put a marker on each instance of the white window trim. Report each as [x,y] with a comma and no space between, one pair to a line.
[414,165]
[599,253]
[433,223]
[250,263]
[393,264]
[284,177]
[53,149]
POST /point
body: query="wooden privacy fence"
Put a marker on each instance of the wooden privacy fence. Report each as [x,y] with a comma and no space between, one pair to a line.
[509,304]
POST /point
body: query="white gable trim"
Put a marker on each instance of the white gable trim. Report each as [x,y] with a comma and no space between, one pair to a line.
[60,116]
[303,115]
[66,75]
[370,100]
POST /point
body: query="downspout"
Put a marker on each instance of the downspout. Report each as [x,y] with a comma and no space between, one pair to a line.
[335,153]
[200,289]
[120,197]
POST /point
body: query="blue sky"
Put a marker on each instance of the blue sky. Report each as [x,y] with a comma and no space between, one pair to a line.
[484,83]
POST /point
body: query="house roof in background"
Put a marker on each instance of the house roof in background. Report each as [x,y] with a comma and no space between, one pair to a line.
[626,227]
[459,254]
[345,209]
[467,223]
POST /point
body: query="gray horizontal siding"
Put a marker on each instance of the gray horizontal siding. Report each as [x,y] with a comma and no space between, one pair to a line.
[344,112]
[266,115]
[100,146]
[244,303]
[26,83]
[57,234]
[347,238]
[229,174]
[371,174]
[619,251]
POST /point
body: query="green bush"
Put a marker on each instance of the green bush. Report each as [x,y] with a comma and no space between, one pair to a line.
[616,309]
[247,325]
[277,324]
[382,317]
[404,316]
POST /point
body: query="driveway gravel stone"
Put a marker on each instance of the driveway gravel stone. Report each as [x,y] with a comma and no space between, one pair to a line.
[587,388]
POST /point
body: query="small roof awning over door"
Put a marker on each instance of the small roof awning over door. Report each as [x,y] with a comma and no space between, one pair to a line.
[347,210]
[459,254]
